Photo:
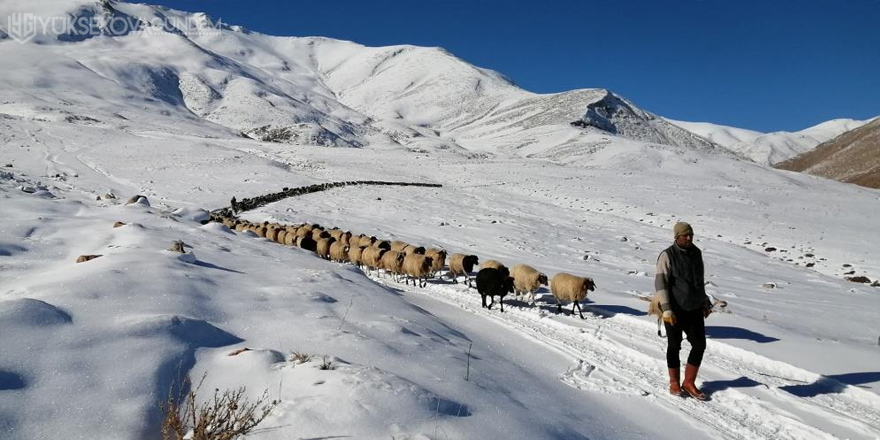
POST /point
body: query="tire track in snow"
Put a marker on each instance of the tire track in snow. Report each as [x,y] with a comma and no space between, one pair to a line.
[607,365]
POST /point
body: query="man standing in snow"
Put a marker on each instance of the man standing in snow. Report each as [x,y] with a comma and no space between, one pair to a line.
[680,285]
[234,205]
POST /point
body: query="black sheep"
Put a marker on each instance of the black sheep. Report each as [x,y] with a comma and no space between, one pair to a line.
[493,282]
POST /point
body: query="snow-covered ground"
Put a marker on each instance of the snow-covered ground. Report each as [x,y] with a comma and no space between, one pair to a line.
[90,349]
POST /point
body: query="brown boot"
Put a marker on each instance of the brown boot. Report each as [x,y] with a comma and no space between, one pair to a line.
[674,380]
[689,385]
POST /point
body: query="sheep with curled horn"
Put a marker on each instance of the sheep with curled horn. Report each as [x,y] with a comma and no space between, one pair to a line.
[418,268]
[568,287]
[526,281]
[461,264]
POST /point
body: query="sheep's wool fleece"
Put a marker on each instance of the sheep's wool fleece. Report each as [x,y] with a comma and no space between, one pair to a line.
[682,228]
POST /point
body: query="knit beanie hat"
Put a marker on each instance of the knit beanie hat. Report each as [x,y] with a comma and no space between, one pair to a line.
[682,228]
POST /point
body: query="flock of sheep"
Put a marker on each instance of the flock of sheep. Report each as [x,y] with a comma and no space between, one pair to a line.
[402,260]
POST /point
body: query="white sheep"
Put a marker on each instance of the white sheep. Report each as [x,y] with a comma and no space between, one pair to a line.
[323,247]
[418,268]
[355,254]
[526,281]
[461,264]
[411,249]
[492,264]
[392,262]
[568,287]
[339,251]
[398,245]
[438,259]
[372,257]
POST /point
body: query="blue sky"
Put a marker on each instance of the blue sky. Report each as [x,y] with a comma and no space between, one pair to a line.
[765,65]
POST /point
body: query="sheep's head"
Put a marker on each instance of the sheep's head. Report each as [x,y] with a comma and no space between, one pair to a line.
[589,285]
[442,254]
[542,279]
[508,284]
[428,262]
[400,257]
[469,262]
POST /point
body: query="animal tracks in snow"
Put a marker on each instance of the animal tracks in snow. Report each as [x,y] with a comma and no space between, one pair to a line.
[752,397]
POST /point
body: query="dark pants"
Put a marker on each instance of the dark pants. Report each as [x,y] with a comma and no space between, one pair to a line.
[693,324]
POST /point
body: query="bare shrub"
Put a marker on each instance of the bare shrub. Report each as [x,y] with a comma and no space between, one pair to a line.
[300,358]
[227,416]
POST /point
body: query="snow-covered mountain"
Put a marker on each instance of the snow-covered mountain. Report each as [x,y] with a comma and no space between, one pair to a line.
[852,157]
[770,148]
[301,90]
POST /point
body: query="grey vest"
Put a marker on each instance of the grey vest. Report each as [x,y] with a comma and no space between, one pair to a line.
[687,290]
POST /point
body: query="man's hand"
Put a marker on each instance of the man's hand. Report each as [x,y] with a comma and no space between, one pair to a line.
[669,317]
[707,310]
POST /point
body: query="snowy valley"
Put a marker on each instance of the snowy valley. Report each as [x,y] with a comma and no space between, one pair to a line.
[582,182]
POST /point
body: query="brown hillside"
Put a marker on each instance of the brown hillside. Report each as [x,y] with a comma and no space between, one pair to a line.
[852,157]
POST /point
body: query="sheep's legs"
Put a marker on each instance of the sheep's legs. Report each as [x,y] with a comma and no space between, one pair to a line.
[578,304]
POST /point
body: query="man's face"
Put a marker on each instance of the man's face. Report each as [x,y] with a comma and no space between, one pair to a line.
[684,241]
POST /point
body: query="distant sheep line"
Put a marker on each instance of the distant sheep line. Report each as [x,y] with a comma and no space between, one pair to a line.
[248,204]
[402,260]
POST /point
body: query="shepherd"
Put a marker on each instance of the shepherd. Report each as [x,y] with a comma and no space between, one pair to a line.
[680,286]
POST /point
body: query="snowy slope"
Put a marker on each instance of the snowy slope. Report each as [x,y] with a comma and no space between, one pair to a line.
[89,349]
[770,148]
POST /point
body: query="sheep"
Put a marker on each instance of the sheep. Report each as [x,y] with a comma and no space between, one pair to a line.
[654,309]
[417,267]
[318,234]
[367,241]
[307,243]
[355,254]
[372,257]
[339,251]
[272,232]
[568,287]
[392,262]
[281,235]
[492,264]
[398,245]
[338,234]
[438,258]
[323,247]
[290,238]
[410,249]
[493,282]
[304,231]
[460,264]
[527,280]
